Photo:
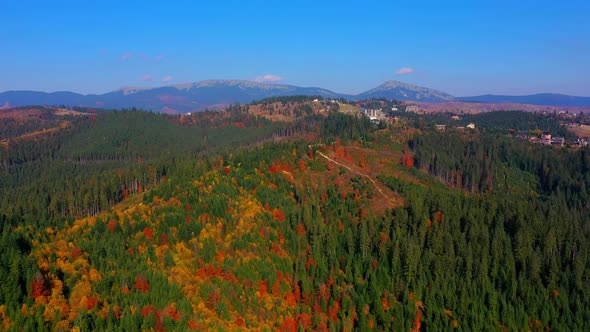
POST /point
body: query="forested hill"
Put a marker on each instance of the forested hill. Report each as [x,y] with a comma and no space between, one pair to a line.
[290,214]
[92,160]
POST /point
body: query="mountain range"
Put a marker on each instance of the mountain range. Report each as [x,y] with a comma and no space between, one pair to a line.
[216,94]
[548,99]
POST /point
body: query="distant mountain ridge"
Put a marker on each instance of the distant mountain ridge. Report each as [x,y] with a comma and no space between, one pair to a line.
[216,94]
[212,94]
[404,91]
[549,99]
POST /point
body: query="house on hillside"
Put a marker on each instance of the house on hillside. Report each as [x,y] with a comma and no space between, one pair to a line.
[557,141]
[471,125]
[440,127]
[545,138]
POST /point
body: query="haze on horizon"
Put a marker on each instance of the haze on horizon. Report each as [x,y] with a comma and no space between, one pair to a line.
[454,46]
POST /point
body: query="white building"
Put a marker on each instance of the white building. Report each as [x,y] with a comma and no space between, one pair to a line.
[546,138]
[373,113]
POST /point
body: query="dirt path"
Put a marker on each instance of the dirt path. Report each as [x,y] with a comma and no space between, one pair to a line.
[62,125]
[38,133]
[289,175]
[393,201]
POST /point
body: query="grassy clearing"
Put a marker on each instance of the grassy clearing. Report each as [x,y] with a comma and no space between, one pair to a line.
[580,131]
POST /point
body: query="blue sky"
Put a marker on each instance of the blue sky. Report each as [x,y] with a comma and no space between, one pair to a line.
[461,47]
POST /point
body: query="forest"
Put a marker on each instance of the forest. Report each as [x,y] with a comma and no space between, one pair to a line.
[319,220]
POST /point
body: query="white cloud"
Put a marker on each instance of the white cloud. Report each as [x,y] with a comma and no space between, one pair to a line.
[268,78]
[167,78]
[146,78]
[405,71]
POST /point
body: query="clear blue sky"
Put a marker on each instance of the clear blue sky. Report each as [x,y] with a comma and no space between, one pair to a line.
[461,47]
